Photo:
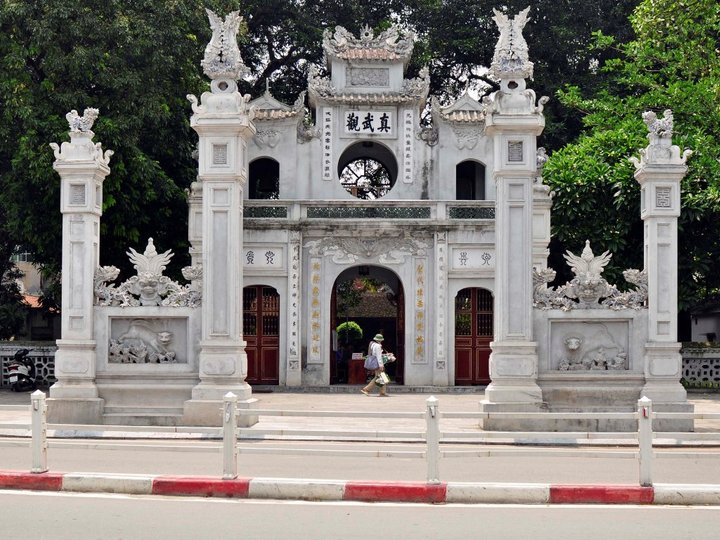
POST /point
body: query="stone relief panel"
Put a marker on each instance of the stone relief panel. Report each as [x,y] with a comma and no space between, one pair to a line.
[589,346]
[385,250]
[357,76]
[148,341]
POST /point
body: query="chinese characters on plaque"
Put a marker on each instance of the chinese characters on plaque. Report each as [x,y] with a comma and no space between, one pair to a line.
[368,122]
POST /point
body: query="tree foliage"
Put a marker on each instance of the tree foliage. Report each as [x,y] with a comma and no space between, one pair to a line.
[136,60]
[672,63]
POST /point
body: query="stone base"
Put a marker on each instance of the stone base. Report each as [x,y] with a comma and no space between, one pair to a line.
[660,424]
[510,424]
[209,413]
[75,410]
[570,424]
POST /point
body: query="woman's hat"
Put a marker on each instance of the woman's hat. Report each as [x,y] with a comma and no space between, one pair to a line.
[378,337]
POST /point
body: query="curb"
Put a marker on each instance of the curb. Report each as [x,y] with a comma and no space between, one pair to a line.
[341,490]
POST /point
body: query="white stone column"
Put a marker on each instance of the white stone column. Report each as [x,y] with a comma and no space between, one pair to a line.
[513,121]
[82,167]
[659,172]
[513,362]
[224,125]
[542,206]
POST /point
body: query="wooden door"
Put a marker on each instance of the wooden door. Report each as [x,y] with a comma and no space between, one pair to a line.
[473,334]
[261,331]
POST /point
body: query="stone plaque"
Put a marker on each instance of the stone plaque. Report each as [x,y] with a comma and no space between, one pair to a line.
[357,76]
[367,122]
[515,151]
[77,194]
[220,154]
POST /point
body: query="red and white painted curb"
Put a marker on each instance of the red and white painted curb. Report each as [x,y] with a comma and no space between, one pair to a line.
[341,490]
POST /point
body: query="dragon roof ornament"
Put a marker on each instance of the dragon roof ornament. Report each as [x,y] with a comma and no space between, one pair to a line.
[388,46]
[511,59]
[222,55]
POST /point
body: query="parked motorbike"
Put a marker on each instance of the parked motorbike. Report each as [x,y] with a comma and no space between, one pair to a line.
[21,372]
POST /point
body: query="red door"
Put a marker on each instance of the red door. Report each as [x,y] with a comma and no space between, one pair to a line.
[261,330]
[473,334]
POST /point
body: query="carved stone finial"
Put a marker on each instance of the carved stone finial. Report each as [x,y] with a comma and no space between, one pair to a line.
[222,55]
[82,123]
[511,59]
[149,287]
[588,289]
[661,150]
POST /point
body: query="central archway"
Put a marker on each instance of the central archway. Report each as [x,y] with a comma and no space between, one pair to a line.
[369,298]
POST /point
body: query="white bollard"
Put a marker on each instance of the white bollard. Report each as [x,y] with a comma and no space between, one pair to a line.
[39,432]
[230,451]
[645,443]
[432,438]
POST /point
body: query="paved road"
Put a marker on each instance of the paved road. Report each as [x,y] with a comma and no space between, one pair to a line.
[111,517]
[262,459]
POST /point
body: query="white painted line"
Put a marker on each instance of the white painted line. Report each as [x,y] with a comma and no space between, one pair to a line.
[458,492]
[687,494]
[108,483]
[291,488]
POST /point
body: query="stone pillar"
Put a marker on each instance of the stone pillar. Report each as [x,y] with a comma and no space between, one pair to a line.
[542,205]
[82,167]
[513,121]
[440,366]
[224,125]
[659,171]
[293,374]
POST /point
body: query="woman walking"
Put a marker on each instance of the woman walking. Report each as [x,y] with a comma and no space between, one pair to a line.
[374,362]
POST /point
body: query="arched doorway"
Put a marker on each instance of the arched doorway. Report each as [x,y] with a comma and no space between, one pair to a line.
[370,298]
[473,334]
[470,181]
[261,331]
[264,179]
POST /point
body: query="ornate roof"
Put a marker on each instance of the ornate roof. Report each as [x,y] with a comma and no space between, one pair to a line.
[386,47]
[268,108]
[465,110]
[412,91]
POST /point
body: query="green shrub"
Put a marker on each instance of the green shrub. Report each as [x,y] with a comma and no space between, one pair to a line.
[349,332]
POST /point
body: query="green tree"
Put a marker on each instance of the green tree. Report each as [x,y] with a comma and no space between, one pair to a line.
[672,63]
[136,61]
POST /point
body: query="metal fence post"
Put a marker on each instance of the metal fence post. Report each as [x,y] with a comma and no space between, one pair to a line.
[230,451]
[432,438]
[645,453]
[39,432]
